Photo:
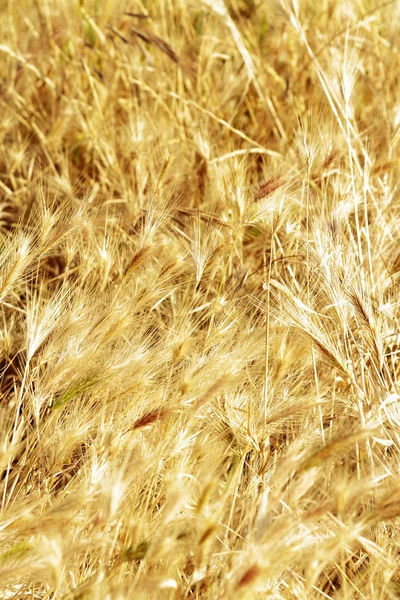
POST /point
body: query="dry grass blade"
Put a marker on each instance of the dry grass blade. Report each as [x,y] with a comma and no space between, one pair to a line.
[136,15]
[270,186]
[150,37]
[150,417]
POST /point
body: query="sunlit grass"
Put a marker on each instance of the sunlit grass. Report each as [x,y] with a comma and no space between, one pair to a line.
[199,296]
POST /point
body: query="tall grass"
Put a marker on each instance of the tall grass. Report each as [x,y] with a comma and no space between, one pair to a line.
[199,298]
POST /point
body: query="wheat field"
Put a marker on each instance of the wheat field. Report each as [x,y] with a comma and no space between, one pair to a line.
[200,299]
